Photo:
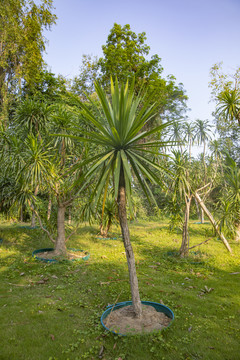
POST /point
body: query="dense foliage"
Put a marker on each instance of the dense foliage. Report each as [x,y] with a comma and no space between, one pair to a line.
[41,116]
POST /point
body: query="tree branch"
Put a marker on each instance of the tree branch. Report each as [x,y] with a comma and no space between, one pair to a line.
[199,244]
[40,222]
[73,232]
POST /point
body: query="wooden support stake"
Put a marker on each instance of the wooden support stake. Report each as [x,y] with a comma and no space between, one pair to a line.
[213,222]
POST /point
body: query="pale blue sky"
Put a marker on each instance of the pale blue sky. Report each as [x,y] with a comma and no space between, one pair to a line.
[189,35]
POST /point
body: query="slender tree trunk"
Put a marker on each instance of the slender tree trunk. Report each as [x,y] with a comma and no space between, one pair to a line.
[4,100]
[202,216]
[185,234]
[69,215]
[101,229]
[60,248]
[237,236]
[197,207]
[238,118]
[137,306]
[104,232]
[108,226]
[21,213]
[33,222]
[204,162]
[49,208]
[213,222]
[190,150]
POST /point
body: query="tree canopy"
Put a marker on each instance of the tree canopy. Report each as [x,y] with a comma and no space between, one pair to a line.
[22,45]
[125,56]
[226,95]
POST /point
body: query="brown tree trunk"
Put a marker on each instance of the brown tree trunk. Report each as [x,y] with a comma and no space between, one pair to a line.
[60,248]
[237,236]
[49,208]
[137,306]
[33,222]
[238,118]
[197,207]
[190,150]
[21,214]
[204,162]
[202,216]
[185,235]
[108,226]
[213,222]
[69,216]
[101,230]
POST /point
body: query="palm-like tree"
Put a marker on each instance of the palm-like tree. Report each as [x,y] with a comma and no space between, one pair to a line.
[233,193]
[33,115]
[31,118]
[176,134]
[202,135]
[181,192]
[108,215]
[62,120]
[228,206]
[27,164]
[188,130]
[119,133]
[216,149]
[228,105]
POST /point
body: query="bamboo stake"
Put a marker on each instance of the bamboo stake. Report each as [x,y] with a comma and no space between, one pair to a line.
[213,222]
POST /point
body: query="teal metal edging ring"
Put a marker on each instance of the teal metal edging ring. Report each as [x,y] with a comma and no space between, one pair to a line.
[35,252]
[159,307]
[108,238]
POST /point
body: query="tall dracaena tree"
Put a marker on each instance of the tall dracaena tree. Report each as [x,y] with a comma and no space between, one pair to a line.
[233,193]
[202,135]
[33,115]
[181,190]
[228,104]
[127,152]
[188,130]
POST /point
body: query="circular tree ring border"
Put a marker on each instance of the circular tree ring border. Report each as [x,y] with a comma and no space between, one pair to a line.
[35,252]
[159,307]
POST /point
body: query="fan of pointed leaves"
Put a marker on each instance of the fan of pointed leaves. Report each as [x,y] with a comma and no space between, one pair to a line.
[229,202]
[180,184]
[122,141]
[229,104]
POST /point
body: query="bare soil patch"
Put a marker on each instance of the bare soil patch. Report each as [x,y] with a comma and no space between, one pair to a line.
[71,255]
[123,320]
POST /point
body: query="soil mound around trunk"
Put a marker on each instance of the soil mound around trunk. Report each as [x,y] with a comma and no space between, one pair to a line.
[69,256]
[124,322]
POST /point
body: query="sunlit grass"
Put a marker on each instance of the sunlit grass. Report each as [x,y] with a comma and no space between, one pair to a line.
[52,311]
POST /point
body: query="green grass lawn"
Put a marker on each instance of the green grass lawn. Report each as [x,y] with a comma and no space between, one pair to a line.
[52,311]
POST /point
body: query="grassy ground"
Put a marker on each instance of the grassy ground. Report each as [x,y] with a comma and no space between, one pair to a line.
[52,311]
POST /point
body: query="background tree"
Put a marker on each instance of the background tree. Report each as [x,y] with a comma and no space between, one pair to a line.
[228,207]
[228,104]
[22,45]
[226,95]
[189,133]
[176,134]
[39,165]
[202,135]
[180,192]
[125,56]
[83,84]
